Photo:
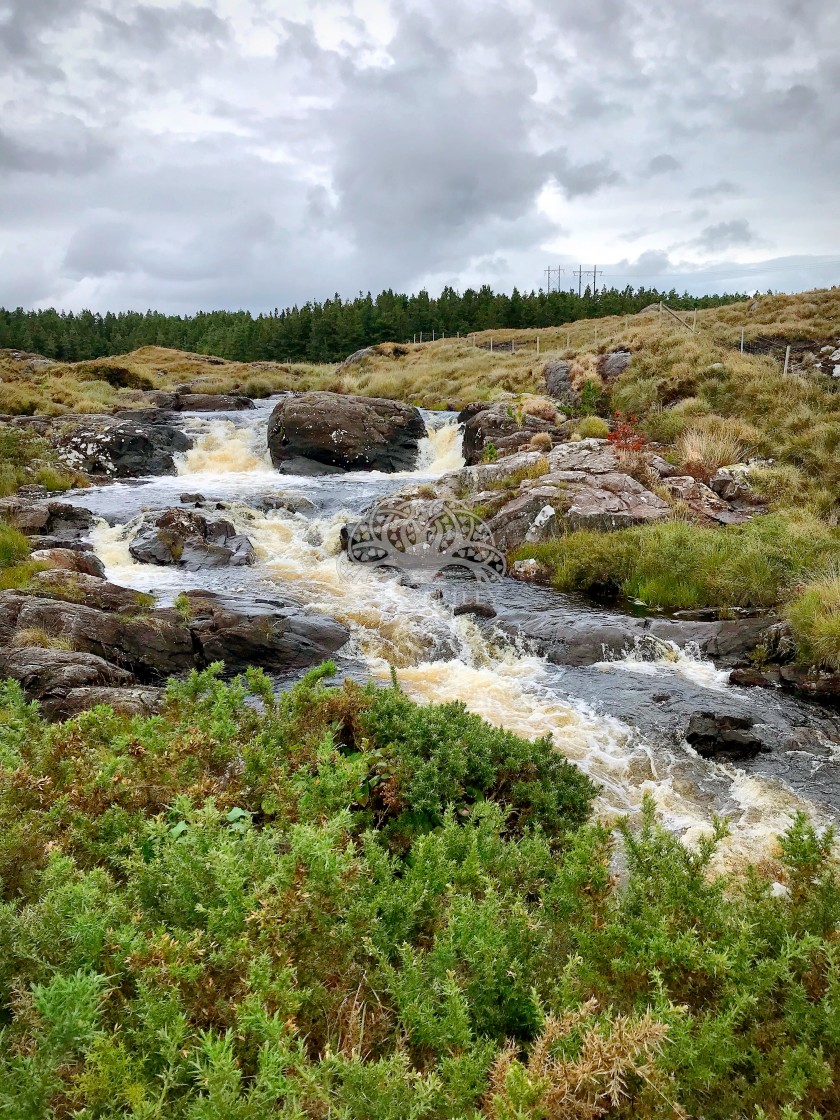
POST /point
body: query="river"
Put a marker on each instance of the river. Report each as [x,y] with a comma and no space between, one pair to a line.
[618,720]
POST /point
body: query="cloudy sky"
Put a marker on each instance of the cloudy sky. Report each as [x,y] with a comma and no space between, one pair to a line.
[255,153]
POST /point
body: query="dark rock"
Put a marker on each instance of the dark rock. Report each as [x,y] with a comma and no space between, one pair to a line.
[291,503]
[93,591]
[70,560]
[733,736]
[326,433]
[474,607]
[499,425]
[49,675]
[811,681]
[213,402]
[121,448]
[778,643]
[187,539]
[57,520]
[192,499]
[278,636]
[749,678]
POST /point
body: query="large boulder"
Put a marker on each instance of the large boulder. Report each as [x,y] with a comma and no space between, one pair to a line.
[50,675]
[275,635]
[121,447]
[199,402]
[188,540]
[326,433]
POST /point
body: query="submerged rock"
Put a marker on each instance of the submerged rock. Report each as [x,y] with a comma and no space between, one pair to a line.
[326,433]
[714,734]
[187,539]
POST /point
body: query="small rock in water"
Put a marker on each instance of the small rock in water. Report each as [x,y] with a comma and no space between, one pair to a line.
[473,606]
[530,570]
[732,736]
[192,499]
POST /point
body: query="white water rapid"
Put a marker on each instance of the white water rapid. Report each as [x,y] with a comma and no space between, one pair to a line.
[437,656]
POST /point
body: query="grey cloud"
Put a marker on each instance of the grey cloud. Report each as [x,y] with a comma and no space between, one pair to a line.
[726,235]
[152,29]
[720,189]
[75,150]
[662,164]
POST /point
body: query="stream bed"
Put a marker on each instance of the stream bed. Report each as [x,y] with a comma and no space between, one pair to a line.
[620,719]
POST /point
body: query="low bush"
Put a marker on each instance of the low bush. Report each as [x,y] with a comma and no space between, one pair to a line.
[814,616]
[338,903]
[541,441]
[592,427]
[677,564]
[702,452]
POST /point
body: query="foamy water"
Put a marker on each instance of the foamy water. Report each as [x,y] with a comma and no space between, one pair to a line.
[439,657]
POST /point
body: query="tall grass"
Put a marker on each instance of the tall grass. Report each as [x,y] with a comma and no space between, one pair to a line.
[814,616]
[677,565]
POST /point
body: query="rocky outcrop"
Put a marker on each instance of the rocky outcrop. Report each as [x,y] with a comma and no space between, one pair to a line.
[612,365]
[152,645]
[93,591]
[326,433]
[500,426]
[557,375]
[270,633]
[120,447]
[62,681]
[47,524]
[188,540]
[70,560]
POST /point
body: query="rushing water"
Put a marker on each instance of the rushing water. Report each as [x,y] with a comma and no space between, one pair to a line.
[615,719]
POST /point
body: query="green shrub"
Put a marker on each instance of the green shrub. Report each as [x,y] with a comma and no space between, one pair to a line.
[592,427]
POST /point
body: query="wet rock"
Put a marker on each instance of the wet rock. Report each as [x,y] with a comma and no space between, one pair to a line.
[58,521]
[93,591]
[192,499]
[121,448]
[326,433]
[70,560]
[272,634]
[213,402]
[188,540]
[809,680]
[291,503]
[713,734]
[475,607]
[747,677]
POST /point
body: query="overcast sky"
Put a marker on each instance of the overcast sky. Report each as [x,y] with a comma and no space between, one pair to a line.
[256,153]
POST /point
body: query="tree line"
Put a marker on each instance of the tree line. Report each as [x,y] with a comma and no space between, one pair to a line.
[322,332]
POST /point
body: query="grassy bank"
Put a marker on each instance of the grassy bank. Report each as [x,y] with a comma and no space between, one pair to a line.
[342,904]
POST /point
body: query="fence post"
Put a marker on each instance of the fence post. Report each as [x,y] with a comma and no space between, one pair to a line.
[433,335]
[491,344]
[538,345]
[473,340]
[742,340]
[568,340]
[694,324]
[787,358]
[513,346]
